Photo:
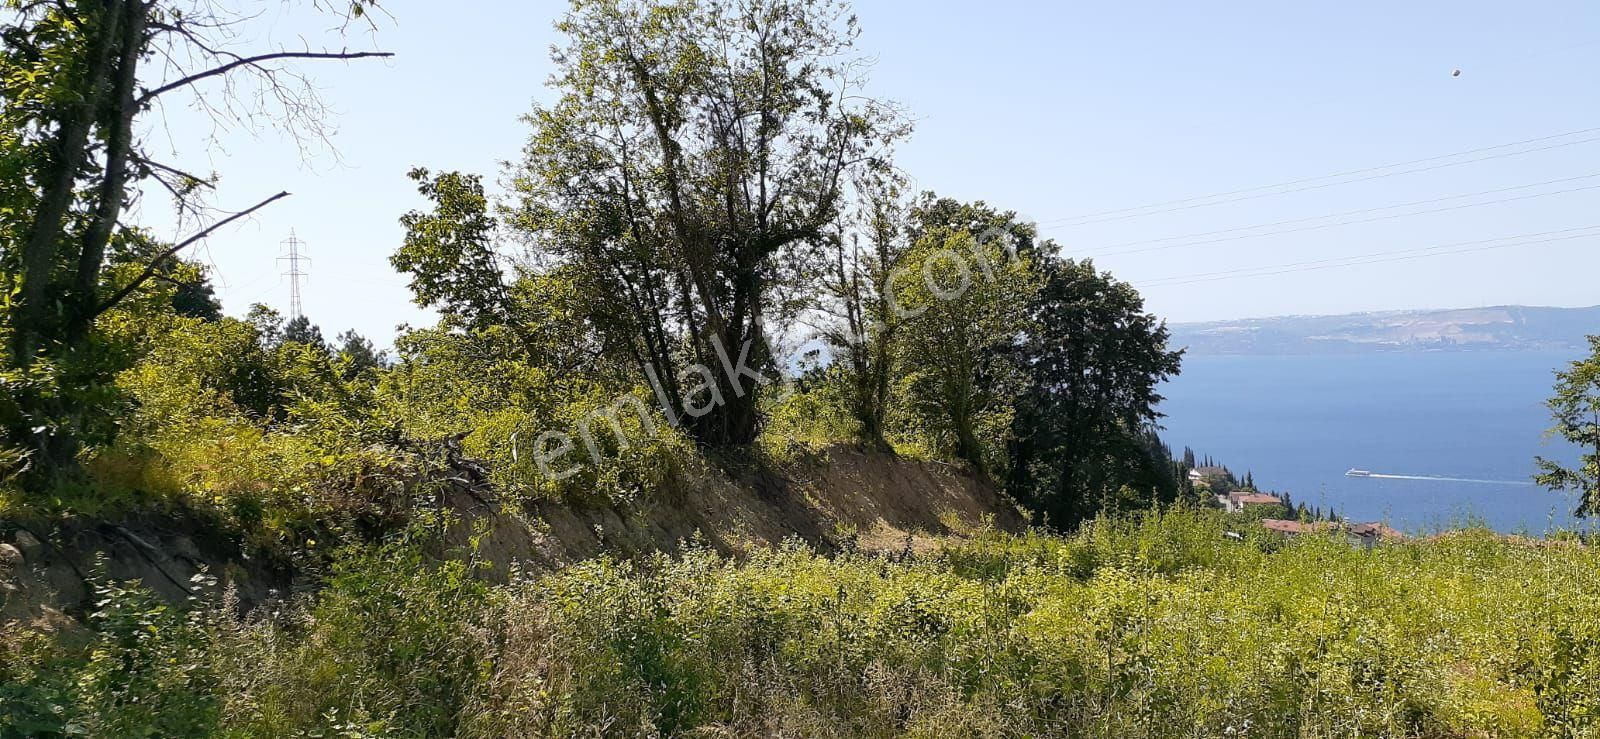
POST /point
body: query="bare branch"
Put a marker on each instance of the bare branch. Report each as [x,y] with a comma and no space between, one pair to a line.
[176,282]
[150,269]
[255,60]
[195,180]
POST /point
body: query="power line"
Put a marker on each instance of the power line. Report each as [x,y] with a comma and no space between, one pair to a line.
[1341,182]
[1341,214]
[1401,258]
[1328,176]
[1195,201]
[1192,277]
[1379,257]
[1375,219]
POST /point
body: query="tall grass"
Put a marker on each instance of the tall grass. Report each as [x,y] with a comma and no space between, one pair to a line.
[1155,625]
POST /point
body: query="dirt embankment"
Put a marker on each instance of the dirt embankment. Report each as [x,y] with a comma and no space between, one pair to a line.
[47,570]
[835,499]
[838,498]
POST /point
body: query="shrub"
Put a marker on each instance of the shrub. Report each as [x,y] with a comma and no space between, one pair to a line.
[812,412]
[392,647]
[1148,626]
[454,385]
[144,670]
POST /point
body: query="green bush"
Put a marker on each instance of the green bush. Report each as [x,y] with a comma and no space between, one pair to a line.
[453,385]
[1149,626]
[811,412]
[145,670]
[393,646]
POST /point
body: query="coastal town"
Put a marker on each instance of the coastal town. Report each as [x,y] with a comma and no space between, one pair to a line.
[1276,512]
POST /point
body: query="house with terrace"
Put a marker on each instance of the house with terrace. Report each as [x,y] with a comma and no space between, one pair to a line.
[1363,535]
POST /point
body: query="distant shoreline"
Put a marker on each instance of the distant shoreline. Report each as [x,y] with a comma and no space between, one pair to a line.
[1191,352]
[1457,330]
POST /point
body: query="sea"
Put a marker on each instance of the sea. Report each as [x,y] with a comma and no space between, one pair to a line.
[1450,437]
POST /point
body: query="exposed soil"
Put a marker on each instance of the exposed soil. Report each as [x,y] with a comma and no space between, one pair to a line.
[835,499]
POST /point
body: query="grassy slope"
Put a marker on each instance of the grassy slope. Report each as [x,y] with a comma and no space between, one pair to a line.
[1159,627]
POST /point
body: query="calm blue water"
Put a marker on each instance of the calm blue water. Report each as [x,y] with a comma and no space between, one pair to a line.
[1299,422]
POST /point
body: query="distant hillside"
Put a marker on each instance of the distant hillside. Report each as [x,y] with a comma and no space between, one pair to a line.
[1498,328]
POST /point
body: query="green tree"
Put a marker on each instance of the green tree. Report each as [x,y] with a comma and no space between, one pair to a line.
[931,213]
[696,155]
[191,295]
[449,252]
[964,301]
[854,290]
[267,323]
[1576,409]
[537,318]
[301,330]
[357,355]
[1094,360]
[204,369]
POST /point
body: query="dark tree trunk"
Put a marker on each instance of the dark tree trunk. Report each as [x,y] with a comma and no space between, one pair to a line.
[113,185]
[968,448]
[69,151]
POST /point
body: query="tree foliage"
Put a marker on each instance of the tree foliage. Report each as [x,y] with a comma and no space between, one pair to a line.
[710,174]
[697,151]
[450,253]
[357,356]
[963,304]
[1094,359]
[861,326]
[1576,410]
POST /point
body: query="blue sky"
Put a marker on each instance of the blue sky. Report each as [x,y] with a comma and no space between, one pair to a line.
[1052,110]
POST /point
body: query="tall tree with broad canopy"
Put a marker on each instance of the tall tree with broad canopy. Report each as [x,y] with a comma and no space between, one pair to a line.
[1084,436]
[449,252]
[692,164]
[1576,409]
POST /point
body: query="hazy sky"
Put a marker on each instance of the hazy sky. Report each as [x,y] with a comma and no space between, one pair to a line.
[1055,111]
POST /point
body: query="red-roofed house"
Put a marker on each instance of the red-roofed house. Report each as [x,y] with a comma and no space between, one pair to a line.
[1375,531]
[1237,501]
[1284,526]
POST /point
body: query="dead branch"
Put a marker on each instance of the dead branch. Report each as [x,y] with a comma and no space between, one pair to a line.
[256,60]
[150,269]
[197,180]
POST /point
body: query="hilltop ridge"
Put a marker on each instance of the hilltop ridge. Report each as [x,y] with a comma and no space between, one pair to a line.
[1491,328]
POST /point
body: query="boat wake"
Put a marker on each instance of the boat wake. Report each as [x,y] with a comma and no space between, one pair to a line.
[1437,478]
